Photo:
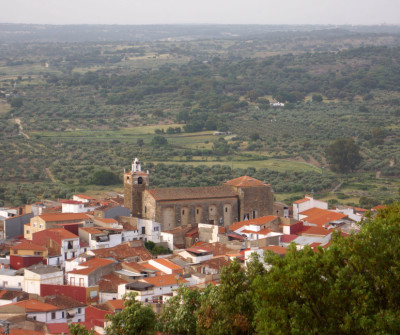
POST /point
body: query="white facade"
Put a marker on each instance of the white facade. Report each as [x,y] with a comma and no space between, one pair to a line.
[168,238]
[307,203]
[105,241]
[149,230]
[70,248]
[9,280]
[33,280]
[75,279]
[193,258]
[59,316]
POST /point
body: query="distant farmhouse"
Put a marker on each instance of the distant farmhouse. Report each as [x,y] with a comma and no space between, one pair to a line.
[237,199]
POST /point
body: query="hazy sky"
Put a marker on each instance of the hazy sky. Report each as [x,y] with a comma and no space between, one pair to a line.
[200,11]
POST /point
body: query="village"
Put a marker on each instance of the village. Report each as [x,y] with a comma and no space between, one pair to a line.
[74,260]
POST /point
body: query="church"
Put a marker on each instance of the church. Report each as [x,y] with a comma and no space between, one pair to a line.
[235,200]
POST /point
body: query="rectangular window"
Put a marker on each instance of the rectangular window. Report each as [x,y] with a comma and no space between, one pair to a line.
[79,310]
[62,315]
[27,231]
[143,230]
[53,315]
[81,282]
[254,214]
[183,212]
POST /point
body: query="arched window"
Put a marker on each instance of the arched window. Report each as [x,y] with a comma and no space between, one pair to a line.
[140,180]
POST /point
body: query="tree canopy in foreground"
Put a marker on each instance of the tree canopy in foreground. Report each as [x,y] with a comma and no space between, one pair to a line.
[352,287]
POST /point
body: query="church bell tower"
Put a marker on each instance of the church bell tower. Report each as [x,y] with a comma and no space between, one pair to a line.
[135,183]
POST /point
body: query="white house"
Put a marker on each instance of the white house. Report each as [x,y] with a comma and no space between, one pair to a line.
[11,279]
[153,288]
[306,203]
[41,274]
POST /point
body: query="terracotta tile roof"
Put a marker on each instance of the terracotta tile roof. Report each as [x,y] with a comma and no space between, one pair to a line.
[189,193]
[71,202]
[57,328]
[216,263]
[164,280]
[244,181]
[300,201]
[276,249]
[116,304]
[288,238]
[85,197]
[34,306]
[91,230]
[378,207]
[123,251]
[56,234]
[358,209]
[134,266]
[316,231]
[83,272]
[109,283]
[167,263]
[63,302]
[253,222]
[24,331]
[320,217]
[10,295]
[265,231]
[97,262]
[25,245]
[53,217]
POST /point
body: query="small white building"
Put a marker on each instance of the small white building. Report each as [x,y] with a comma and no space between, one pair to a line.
[39,274]
[306,203]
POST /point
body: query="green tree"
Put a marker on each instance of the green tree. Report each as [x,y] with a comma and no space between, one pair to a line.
[343,155]
[77,329]
[104,177]
[179,317]
[135,318]
[229,308]
[349,288]
[159,140]
[317,98]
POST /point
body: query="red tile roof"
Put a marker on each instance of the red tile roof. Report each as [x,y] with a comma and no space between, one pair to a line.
[165,280]
[53,217]
[167,263]
[34,306]
[320,216]
[109,283]
[97,262]
[25,245]
[253,222]
[24,331]
[91,230]
[300,201]
[276,249]
[317,231]
[244,181]
[123,251]
[288,238]
[116,304]
[55,234]
[85,197]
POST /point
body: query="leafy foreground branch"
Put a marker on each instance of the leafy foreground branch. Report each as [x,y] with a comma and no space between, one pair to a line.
[350,288]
